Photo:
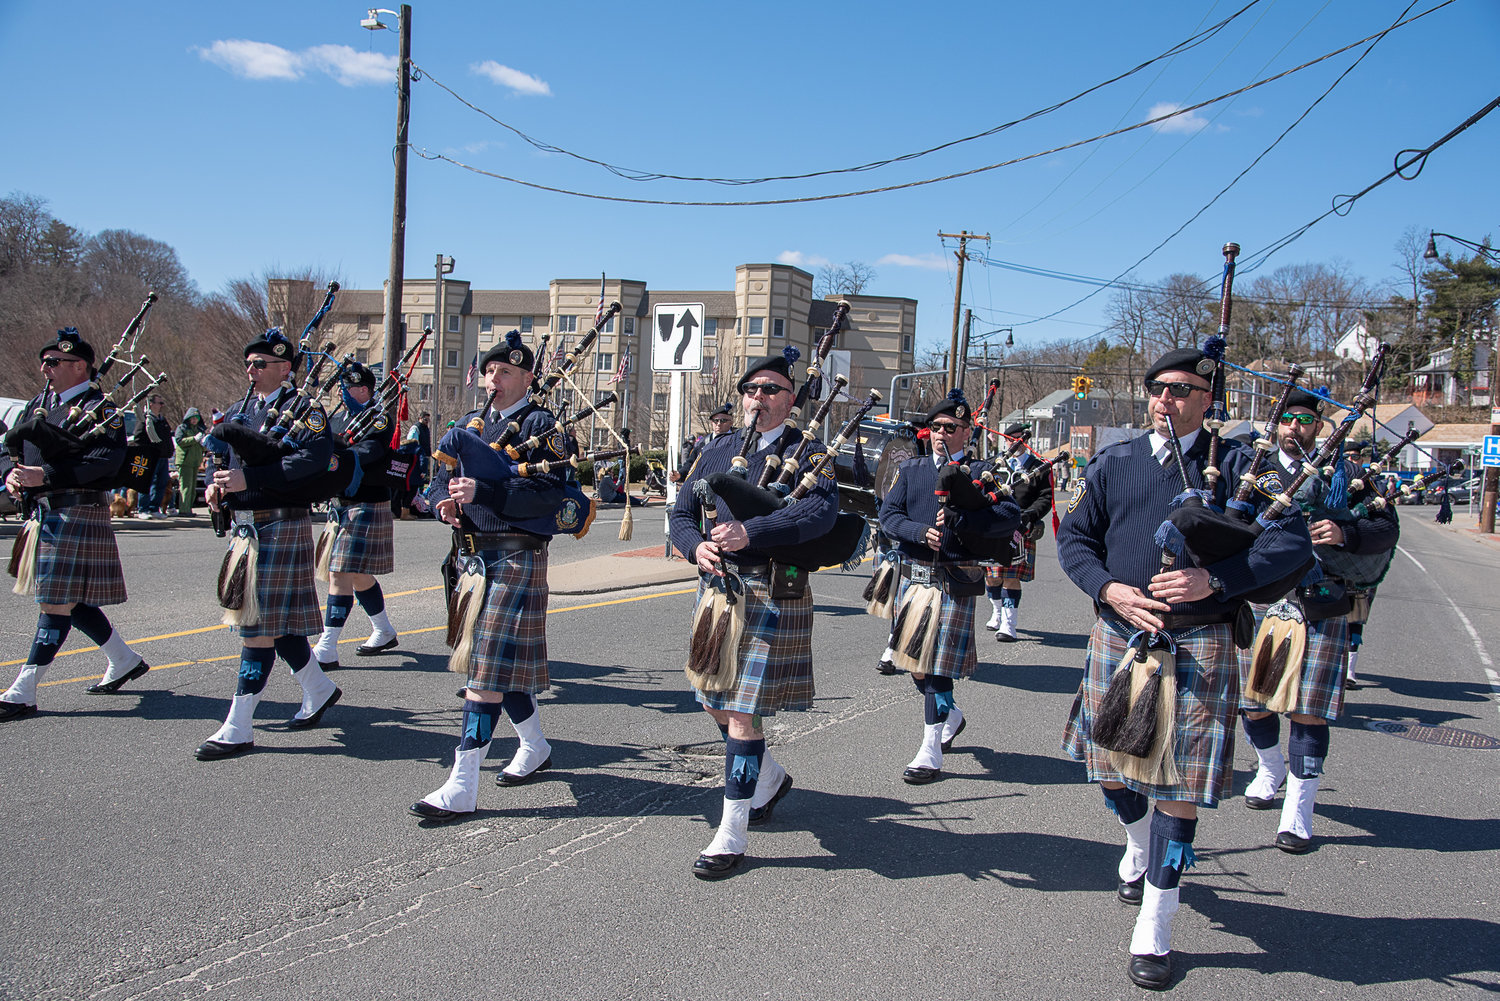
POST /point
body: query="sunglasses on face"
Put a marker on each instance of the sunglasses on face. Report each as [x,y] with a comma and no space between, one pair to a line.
[259,364]
[1179,390]
[54,362]
[1303,419]
[767,389]
[719,420]
[944,427]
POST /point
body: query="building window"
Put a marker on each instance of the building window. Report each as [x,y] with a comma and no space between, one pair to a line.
[778,327]
[426,357]
[609,326]
[710,326]
[426,393]
[426,320]
[362,355]
[757,326]
[450,393]
[1094,404]
[627,326]
[450,357]
[566,324]
[659,402]
[604,361]
[526,324]
[364,323]
[906,344]
[486,324]
[599,395]
[453,326]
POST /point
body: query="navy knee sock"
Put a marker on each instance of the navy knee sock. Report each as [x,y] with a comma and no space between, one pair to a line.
[295,650]
[742,766]
[1010,597]
[339,606]
[51,631]
[993,591]
[1308,744]
[479,723]
[938,697]
[1356,635]
[255,668]
[1127,804]
[1170,850]
[92,622]
[519,706]
[371,599]
[1263,733]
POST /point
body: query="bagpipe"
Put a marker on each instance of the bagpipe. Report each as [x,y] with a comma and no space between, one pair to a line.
[549,382]
[843,543]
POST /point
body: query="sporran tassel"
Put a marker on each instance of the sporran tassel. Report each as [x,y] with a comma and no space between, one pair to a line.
[627,523]
[323,551]
[23,557]
[237,581]
[468,601]
[1275,676]
[880,592]
[916,635]
[1150,725]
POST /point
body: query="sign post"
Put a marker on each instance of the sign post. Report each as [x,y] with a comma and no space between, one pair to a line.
[676,347]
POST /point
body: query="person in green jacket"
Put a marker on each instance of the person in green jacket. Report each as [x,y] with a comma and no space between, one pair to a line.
[188,457]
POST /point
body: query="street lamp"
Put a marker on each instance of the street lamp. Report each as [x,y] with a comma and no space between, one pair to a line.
[1491,473]
[395,339]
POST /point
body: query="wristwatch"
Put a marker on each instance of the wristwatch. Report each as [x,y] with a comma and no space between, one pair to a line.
[1216,585]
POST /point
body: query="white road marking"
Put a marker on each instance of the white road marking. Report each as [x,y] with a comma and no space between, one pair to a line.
[1490,673]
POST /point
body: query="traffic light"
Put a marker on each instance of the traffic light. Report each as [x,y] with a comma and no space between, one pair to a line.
[1081,386]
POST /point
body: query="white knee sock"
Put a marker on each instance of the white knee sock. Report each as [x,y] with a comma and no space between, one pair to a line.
[1153,926]
[732,838]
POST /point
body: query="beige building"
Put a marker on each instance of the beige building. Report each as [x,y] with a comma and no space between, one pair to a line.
[771,306]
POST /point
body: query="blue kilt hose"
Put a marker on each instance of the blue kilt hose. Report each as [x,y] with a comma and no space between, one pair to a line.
[1321,693]
[1208,691]
[77,559]
[510,635]
[364,541]
[775,653]
[284,584]
[954,655]
[1024,568]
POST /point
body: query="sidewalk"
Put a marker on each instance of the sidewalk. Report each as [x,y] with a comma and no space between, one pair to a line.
[618,571]
[1463,525]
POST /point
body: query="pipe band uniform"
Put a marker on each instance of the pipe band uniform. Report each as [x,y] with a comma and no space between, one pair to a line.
[503,522]
[1018,471]
[1161,671]
[942,526]
[357,543]
[65,553]
[272,455]
[1298,663]
[750,647]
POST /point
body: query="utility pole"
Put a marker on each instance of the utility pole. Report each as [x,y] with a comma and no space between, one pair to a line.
[440,326]
[963,354]
[395,334]
[963,237]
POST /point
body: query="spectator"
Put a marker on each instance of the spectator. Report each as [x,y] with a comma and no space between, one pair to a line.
[155,436]
[188,458]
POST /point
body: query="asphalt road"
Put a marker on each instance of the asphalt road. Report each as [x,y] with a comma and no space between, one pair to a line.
[133,871]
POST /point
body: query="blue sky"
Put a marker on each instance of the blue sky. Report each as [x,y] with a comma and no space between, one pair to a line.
[254,135]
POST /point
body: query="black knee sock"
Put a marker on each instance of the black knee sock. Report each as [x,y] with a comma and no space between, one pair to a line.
[1171,849]
[1127,804]
[1264,733]
[519,706]
[294,650]
[92,622]
[339,606]
[479,723]
[255,669]
[371,599]
[742,760]
[1308,744]
[51,631]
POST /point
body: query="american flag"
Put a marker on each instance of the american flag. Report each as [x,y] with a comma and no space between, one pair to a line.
[562,352]
[473,371]
[623,370]
[599,313]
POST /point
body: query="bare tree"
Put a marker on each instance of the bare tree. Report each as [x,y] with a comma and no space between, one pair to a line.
[850,278]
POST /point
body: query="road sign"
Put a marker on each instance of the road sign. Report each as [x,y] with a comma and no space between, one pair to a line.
[1492,450]
[677,337]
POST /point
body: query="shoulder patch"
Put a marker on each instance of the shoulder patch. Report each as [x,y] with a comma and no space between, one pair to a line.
[1083,488]
[316,420]
[1269,483]
[827,471]
[555,445]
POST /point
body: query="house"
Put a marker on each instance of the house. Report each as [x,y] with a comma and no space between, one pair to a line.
[1435,382]
[1055,415]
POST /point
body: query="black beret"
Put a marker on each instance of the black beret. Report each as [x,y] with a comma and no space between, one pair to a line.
[511,351]
[1183,360]
[723,409]
[1302,398]
[780,364]
[274,343]
[1017,428]
[953,405]
[356,374]
[70,342]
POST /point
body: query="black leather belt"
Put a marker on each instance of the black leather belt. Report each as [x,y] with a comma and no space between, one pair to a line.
[503,542]
[262,516]
[1173,620]
[75,498]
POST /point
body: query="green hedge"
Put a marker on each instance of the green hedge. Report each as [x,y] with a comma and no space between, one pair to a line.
[637,467]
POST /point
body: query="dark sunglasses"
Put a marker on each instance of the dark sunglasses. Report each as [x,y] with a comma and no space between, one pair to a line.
[1179,390]
[766,389]
[259,364]
[945,427]
[1303,419]
[54,362]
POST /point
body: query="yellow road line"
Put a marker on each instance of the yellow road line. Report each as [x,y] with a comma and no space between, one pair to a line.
[408,632]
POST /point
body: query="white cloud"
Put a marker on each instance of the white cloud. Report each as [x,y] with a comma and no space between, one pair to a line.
[1190,122]
[264,61]
[798,259]
[929,262]
[521,83]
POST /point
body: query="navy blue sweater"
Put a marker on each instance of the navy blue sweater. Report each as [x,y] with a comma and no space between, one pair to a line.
[272,484]
[95,469]
[501,502]
[910,508]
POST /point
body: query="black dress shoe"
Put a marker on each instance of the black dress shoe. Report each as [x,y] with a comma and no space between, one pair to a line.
[1292,844]
[213,750]
[1130,891]
[307,724]
[436,814]
[371,651]
[1257,803]
[110,687]
[948,744]
[716,866]
[886,667]
[762,814]
[1004,637]
[920,776]
[507,779]
[330,666]
[1151,972]
[15,710]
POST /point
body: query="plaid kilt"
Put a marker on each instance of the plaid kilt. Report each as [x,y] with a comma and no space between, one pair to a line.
[284,580]
[775,654]
[1322,691]
[77,559]
[364,542]
[510,635]
[955,655]
[1208,691]
[1024,568]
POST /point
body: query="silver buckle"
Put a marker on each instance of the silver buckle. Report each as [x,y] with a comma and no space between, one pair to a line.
[921,573]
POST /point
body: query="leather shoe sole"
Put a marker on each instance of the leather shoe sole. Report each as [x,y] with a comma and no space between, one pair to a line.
[1130,891]
[307,724]
[110,687]
[371,651]
[332,665]
[508,779]
[920,776]
[948,744]
[886,667]
[762,814]
[1151,972]
[436,814]
[1292,844]
[1256,803]
[213,750]
[1004,637]
[716,866]
[15,710]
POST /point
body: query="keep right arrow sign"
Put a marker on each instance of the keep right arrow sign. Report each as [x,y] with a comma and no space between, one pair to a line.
[677,346]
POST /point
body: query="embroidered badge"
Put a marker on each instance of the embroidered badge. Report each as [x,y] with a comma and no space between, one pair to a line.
[555,443]
[316,420]
[1269,483]
[827,472]
[569,516]
[380,423]
[1083,488]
